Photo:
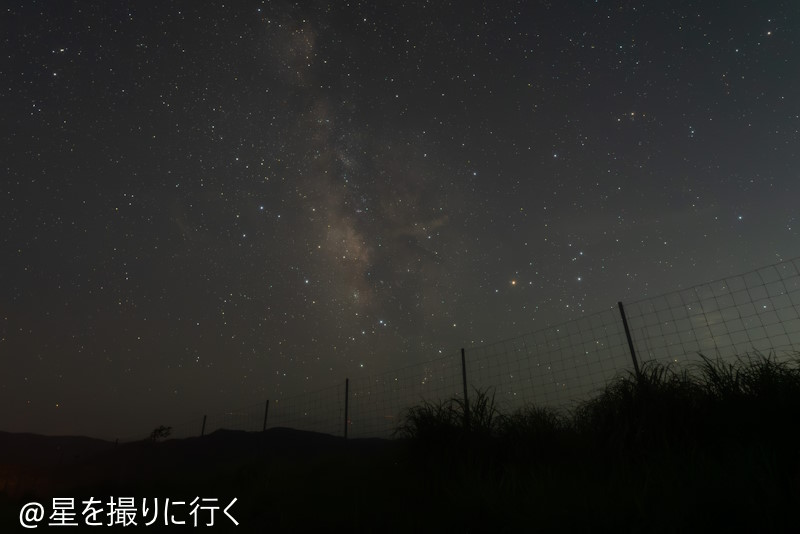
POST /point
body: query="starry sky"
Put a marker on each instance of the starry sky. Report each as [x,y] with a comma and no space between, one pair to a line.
[205,205]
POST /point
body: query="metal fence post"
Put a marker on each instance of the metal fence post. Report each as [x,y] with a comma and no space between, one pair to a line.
[466,399]
[346,393]
[630,340]
[266,411]
[203,430]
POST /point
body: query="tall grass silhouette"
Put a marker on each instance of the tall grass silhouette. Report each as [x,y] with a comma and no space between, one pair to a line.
[662,405]
[710,445]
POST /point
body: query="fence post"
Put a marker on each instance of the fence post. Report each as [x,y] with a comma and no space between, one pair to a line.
[630,340]
[266,411]
[466,399]
[203,430]
[346,393]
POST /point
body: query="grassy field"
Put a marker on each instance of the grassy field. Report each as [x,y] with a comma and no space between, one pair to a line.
[667,451]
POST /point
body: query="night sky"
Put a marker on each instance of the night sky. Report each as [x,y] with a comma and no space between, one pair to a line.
[207,205]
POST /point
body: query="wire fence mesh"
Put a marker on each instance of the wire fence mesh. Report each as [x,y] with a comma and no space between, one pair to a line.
[555,366]
[377,402]
[319,411]
[757,312]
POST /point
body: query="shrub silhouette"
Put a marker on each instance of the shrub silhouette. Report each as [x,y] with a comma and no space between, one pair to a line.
[443,420]
[161,432]
[663,408]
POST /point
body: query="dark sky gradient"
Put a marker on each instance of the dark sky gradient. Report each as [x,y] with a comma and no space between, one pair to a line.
[204,206]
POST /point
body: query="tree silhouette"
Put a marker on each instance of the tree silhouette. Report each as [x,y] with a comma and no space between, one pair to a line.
[161,432]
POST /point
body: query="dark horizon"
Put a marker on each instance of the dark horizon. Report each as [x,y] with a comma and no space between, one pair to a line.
[205,206]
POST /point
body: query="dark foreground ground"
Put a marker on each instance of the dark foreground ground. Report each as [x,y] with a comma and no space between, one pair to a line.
[292,481]
[712,450]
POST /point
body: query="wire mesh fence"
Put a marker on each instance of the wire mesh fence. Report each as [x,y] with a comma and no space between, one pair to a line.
[319,411]
[756,312]
[245,418]
[186,429]
[558,366]
[377,403]
[555,366]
